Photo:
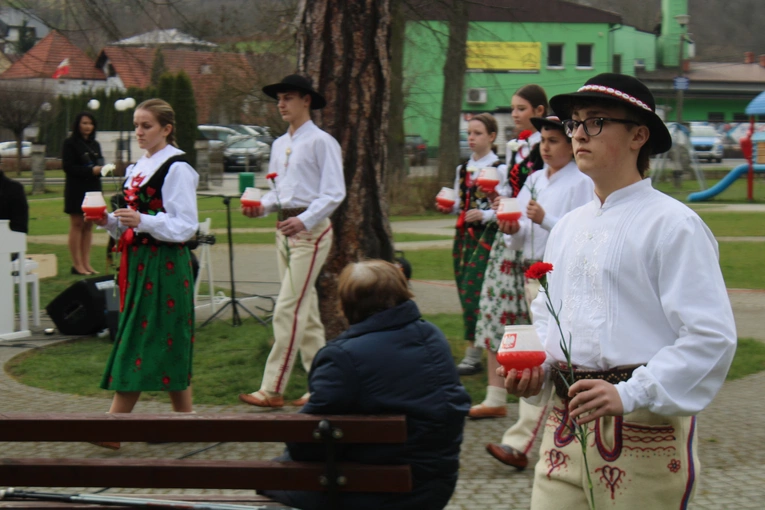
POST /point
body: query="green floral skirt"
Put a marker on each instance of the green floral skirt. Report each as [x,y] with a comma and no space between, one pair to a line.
[471,254]
[154,344]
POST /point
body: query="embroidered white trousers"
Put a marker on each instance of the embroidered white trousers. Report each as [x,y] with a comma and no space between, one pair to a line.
[637,461]
[297,325]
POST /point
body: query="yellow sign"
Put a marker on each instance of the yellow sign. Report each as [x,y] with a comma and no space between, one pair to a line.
[503,56]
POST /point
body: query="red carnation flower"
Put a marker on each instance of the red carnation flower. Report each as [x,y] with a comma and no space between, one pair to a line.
[538,270]
[525,134]
[272,176]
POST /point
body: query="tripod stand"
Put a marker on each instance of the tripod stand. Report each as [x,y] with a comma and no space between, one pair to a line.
[236,320]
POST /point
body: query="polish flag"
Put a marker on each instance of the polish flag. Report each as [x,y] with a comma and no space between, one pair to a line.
[62,69]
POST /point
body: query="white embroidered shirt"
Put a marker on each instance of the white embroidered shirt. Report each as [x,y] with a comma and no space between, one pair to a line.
[639,281]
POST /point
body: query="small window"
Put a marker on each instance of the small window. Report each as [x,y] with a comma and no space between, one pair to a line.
[716,117]
[584,55]
[554,55]
[740,117]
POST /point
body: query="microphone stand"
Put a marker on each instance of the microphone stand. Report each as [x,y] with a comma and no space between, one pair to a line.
[236,320]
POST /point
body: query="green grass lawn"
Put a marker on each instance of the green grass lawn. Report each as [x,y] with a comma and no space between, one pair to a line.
[742,265]
[431,264]
[736,193]
[734,223]
[229,361]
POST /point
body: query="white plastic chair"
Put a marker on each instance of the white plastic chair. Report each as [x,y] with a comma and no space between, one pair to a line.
[31,279]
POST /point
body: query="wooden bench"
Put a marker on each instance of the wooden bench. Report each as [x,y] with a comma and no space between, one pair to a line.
[331,431]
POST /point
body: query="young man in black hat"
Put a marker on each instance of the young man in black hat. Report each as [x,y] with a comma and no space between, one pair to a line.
[306,175]
[639,287]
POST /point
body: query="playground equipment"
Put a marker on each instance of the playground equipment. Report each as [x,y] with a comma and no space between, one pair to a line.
[755,162]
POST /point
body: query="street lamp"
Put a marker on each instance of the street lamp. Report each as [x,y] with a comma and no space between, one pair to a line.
[122,105]
[682,20]
[94,104]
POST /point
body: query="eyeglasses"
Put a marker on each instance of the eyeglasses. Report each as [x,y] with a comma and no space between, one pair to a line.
[592,126]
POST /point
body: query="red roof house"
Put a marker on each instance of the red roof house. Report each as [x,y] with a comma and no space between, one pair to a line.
[214,75]
[43,60]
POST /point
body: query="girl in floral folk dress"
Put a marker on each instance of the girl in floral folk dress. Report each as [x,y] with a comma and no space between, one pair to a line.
[476,225]
[502,301]
[154,342]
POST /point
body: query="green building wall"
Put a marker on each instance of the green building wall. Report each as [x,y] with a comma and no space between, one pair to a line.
[424,57]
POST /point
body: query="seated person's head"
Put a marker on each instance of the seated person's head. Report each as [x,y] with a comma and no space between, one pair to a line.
[369,287]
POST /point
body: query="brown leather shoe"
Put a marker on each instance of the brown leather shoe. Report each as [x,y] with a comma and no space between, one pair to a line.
[481,412]
[301,401]
[260,399]
[508,455]
[112,445]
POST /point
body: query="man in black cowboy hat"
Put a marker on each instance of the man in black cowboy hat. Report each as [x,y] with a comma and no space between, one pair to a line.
[640,292]
[306,177]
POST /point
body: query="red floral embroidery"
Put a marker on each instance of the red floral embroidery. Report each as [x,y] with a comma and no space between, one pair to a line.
[171,303]
[170,265]
[138,362]
[150,191]
[165,380]
[141,266]
[149,286]
[169,341]
[505,267]
[674,465]
[503,318]
[144,324]
[154,248]
[192,339]
[186,283]
[155,204]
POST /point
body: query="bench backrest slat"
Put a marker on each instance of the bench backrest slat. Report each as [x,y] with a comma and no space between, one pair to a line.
[198,474]
[264,427]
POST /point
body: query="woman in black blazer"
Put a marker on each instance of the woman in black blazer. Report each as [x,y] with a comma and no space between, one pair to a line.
[82,161]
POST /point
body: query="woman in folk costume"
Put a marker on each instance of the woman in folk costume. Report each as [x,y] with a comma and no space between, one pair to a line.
[476,225]
[501,300]
[154,341]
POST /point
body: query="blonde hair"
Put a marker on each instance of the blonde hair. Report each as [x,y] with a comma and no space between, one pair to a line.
[164,113]
[369,287]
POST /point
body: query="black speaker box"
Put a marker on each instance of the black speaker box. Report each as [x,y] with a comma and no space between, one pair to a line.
[82,308]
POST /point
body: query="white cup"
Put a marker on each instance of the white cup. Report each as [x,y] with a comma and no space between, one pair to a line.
[508,209]
[93,205]
[446,198]
[251,197]
[520,349]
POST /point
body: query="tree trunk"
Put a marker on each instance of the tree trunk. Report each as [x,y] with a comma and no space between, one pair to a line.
[396,173]
[454,78]
[344,48]
[19,139]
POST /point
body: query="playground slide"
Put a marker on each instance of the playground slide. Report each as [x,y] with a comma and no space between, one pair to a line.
[726,181]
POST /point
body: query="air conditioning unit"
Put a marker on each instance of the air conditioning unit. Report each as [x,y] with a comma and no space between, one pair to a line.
[476,96]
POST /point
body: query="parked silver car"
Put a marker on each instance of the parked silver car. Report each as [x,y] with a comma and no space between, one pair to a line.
[245,154]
